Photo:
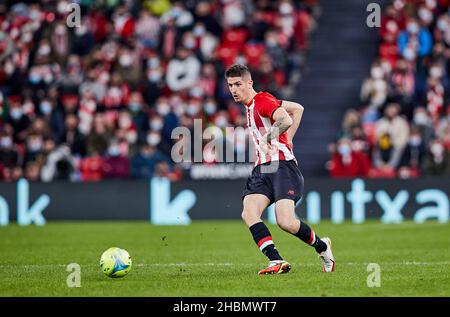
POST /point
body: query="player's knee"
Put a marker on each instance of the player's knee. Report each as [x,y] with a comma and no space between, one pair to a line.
[249,216]
[286,224]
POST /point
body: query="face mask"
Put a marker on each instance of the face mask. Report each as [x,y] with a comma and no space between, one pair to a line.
[124,123]
[179,109]
[409,54]
[9,68]
[192,110]
[44,50]
[45,107]
[34,78]
[199,31]
[436,72]
[131,136]
[153,139]
[48,78]
[286,8]
[415,140]
[16,113]
[344,150]
[196,92]
[135,106]
[156,124]
[442,25]
[189,43]
[154,76]
[35,145]
[425,15]
[221,122]
[421,119]
[430,4]
[413,28]
[210,108]
[163,109]
[437,149]
[271,42]
[5,142]
[34,14]
[153,62]
[114,151]
[377,73]
[125,60]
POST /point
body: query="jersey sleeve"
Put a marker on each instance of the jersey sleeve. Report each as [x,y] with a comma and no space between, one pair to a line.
[267,104]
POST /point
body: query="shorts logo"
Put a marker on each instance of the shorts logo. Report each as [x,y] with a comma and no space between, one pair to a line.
[291,192]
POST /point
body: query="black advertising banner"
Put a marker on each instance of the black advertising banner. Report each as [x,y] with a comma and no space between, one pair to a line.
[176,203]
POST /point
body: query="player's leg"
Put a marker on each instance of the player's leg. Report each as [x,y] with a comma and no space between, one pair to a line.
[286,220]
[254,206]
[288,189]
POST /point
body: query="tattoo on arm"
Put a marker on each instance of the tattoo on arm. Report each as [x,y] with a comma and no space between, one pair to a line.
[278,128]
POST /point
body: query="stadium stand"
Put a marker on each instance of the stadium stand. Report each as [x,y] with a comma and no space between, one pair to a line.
[100,100]
[401,127]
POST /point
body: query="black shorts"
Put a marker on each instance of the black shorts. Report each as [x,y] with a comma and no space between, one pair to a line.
[286,182]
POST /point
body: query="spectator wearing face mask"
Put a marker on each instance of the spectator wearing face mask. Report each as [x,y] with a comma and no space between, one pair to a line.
[415,41]
[414,151]
[437,161]
[9,156]
[115,164]
[374,89]
[138,109]
[346,162]
[18,120]
[34,144]
[154,82]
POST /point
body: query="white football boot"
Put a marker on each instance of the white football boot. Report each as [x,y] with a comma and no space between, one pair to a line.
[327,257]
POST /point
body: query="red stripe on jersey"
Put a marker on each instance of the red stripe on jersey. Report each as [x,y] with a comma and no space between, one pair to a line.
[268,238]
[261,103]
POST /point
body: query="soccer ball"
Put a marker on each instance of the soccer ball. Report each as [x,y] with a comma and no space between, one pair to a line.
[115,262]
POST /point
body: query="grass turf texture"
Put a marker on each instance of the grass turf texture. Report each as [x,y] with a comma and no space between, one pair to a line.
[220,259]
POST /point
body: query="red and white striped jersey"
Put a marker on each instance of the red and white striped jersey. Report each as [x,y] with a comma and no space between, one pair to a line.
[259,120]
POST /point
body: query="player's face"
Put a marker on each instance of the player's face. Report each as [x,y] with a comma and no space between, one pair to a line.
[240,88]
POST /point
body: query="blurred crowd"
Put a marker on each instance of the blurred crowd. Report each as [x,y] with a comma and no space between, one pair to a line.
[99,100]
[402,127]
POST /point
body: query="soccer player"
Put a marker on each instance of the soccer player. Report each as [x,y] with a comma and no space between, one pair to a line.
[276,177]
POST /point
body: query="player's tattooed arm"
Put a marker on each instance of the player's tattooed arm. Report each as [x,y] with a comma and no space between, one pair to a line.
[282,123]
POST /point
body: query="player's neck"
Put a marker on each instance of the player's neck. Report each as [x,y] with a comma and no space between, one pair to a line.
[250,97]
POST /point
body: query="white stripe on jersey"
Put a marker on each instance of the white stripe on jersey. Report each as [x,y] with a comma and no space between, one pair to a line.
[288,155]
[255,132]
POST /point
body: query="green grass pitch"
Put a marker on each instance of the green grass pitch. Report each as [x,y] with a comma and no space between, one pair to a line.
[220,258]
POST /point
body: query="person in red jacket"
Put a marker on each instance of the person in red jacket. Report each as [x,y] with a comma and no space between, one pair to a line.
[348,161]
